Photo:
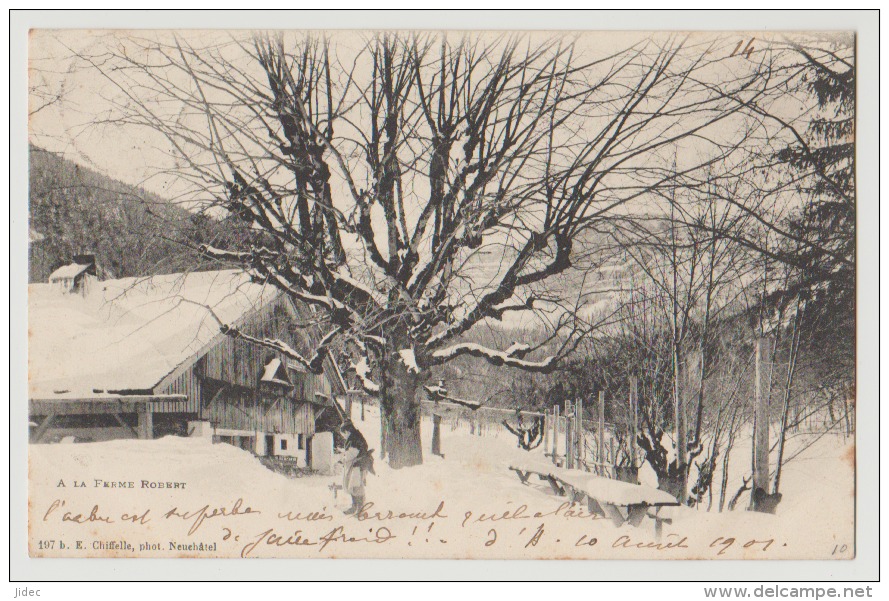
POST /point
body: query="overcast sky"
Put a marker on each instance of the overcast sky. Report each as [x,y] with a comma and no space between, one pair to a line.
[133,156]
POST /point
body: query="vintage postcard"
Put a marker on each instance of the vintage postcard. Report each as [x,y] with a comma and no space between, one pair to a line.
[441,294]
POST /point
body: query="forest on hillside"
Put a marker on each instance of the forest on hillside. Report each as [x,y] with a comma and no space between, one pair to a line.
[132,232]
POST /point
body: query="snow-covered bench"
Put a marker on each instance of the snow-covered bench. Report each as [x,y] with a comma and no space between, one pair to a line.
[621,502]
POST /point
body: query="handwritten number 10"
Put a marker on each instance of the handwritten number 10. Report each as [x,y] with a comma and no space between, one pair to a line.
[839,549]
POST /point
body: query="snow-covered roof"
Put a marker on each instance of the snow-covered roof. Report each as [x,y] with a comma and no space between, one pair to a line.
[128,334]
[68,271]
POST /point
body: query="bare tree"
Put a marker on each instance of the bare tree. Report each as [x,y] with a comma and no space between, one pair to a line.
[384,170]
[528,436]
[690,274]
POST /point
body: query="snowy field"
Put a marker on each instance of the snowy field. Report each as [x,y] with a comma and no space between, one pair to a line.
[178,497]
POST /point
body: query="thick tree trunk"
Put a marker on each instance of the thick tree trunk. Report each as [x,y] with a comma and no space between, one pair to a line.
[400,396]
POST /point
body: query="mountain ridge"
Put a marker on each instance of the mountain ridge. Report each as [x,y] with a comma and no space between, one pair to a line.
[73,209]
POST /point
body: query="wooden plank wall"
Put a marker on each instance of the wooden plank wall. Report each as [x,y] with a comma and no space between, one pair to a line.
[236,409]
[239,362]
[188,384]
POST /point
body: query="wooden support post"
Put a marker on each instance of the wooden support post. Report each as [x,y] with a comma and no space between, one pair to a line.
[636,513]
[145,427]
[614,513]
[659,526]
[43,427]
[556,434]
[595,507]
[210,407]
[124,424]
[555,486]
[760,423]
[578,422]
[601,429]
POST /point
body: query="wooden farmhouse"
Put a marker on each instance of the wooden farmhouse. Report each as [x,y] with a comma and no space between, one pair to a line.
[145,357]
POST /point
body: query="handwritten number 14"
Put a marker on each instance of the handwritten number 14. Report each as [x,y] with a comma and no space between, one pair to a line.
[747,50]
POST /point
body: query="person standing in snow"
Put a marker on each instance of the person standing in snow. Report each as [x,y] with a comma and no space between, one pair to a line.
[357,461]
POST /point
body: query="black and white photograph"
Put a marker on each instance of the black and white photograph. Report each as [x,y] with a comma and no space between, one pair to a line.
[443,294]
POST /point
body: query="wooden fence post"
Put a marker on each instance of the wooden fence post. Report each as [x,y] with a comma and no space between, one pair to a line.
[436,434]
[556,434]
[569,436]
[578,422]
[545,431]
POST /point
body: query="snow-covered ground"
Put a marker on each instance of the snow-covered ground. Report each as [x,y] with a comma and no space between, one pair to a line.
[467,504]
